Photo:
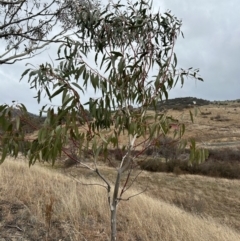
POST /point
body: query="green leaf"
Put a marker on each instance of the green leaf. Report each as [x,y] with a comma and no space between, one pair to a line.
[103,59]
[23,107]
[191,116]
[195,111]
[175,60]
[121,66]
[78,86]
[57,92]
[3,107]
[17,122]
[24,73]
[65,91]
[108,67]
[4,154]
[118,54]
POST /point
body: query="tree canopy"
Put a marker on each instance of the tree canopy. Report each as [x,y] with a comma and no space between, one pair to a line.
[28,26]
[134,64]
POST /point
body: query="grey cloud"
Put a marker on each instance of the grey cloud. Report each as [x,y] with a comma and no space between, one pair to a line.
[212,44]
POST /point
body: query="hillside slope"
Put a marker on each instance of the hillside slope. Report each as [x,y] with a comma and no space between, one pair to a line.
[39,203]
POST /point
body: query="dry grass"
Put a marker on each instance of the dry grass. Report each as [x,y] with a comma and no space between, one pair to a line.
[212,123]
[205,196]
[54,207]
[82,212]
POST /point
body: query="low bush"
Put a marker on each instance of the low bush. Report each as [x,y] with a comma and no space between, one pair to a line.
[179,108]
[149,151]
[220,118]
[118,155]
[225,154]
[159,165]
[166,147]
[211,168]
[219,169]
[206,113]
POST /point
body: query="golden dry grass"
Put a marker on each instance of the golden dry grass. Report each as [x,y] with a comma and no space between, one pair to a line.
[83,211]
[213,123]
[174,207]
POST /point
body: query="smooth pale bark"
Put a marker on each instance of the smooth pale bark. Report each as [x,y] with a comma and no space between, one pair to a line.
[114,207]
[113,223]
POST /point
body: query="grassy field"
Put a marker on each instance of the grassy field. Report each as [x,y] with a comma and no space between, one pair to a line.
[214,123]
[43,204]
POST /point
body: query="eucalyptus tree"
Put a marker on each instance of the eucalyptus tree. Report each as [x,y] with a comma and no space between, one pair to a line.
[28,26]
[134,64]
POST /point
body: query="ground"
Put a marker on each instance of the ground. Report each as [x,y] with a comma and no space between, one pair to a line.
[23,210]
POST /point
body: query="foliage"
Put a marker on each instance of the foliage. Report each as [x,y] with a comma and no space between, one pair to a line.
[135,65]
[169,148]
[221,162]
[26,26]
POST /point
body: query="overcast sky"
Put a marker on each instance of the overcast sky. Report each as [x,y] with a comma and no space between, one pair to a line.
[212,44]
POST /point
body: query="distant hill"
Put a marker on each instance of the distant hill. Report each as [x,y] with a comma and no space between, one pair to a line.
[181,103]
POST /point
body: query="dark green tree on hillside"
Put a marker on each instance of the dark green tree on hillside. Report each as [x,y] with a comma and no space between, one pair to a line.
[134,65]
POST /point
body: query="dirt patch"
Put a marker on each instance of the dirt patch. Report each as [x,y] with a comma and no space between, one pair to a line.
[17,223]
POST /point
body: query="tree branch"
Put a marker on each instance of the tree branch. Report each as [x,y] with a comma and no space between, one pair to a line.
[127,199]
[88,184]
[12,3]
[8,51]
[27,18]
[19,7]
[15,57]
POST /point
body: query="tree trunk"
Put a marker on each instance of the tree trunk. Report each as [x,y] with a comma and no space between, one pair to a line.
[113,223]
[114,207]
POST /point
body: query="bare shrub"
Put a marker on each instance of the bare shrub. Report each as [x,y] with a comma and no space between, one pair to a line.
[168,148]
[118,154]
[224,154]
[157,165]
[220,118]
[206,113]
[222,163]
[220,169]
[153,165]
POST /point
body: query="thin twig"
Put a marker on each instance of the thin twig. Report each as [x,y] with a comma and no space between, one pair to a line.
[14,226]
[77,161]
[104,179]
[88,184]
[134,179]
[127,199]
[126,181]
